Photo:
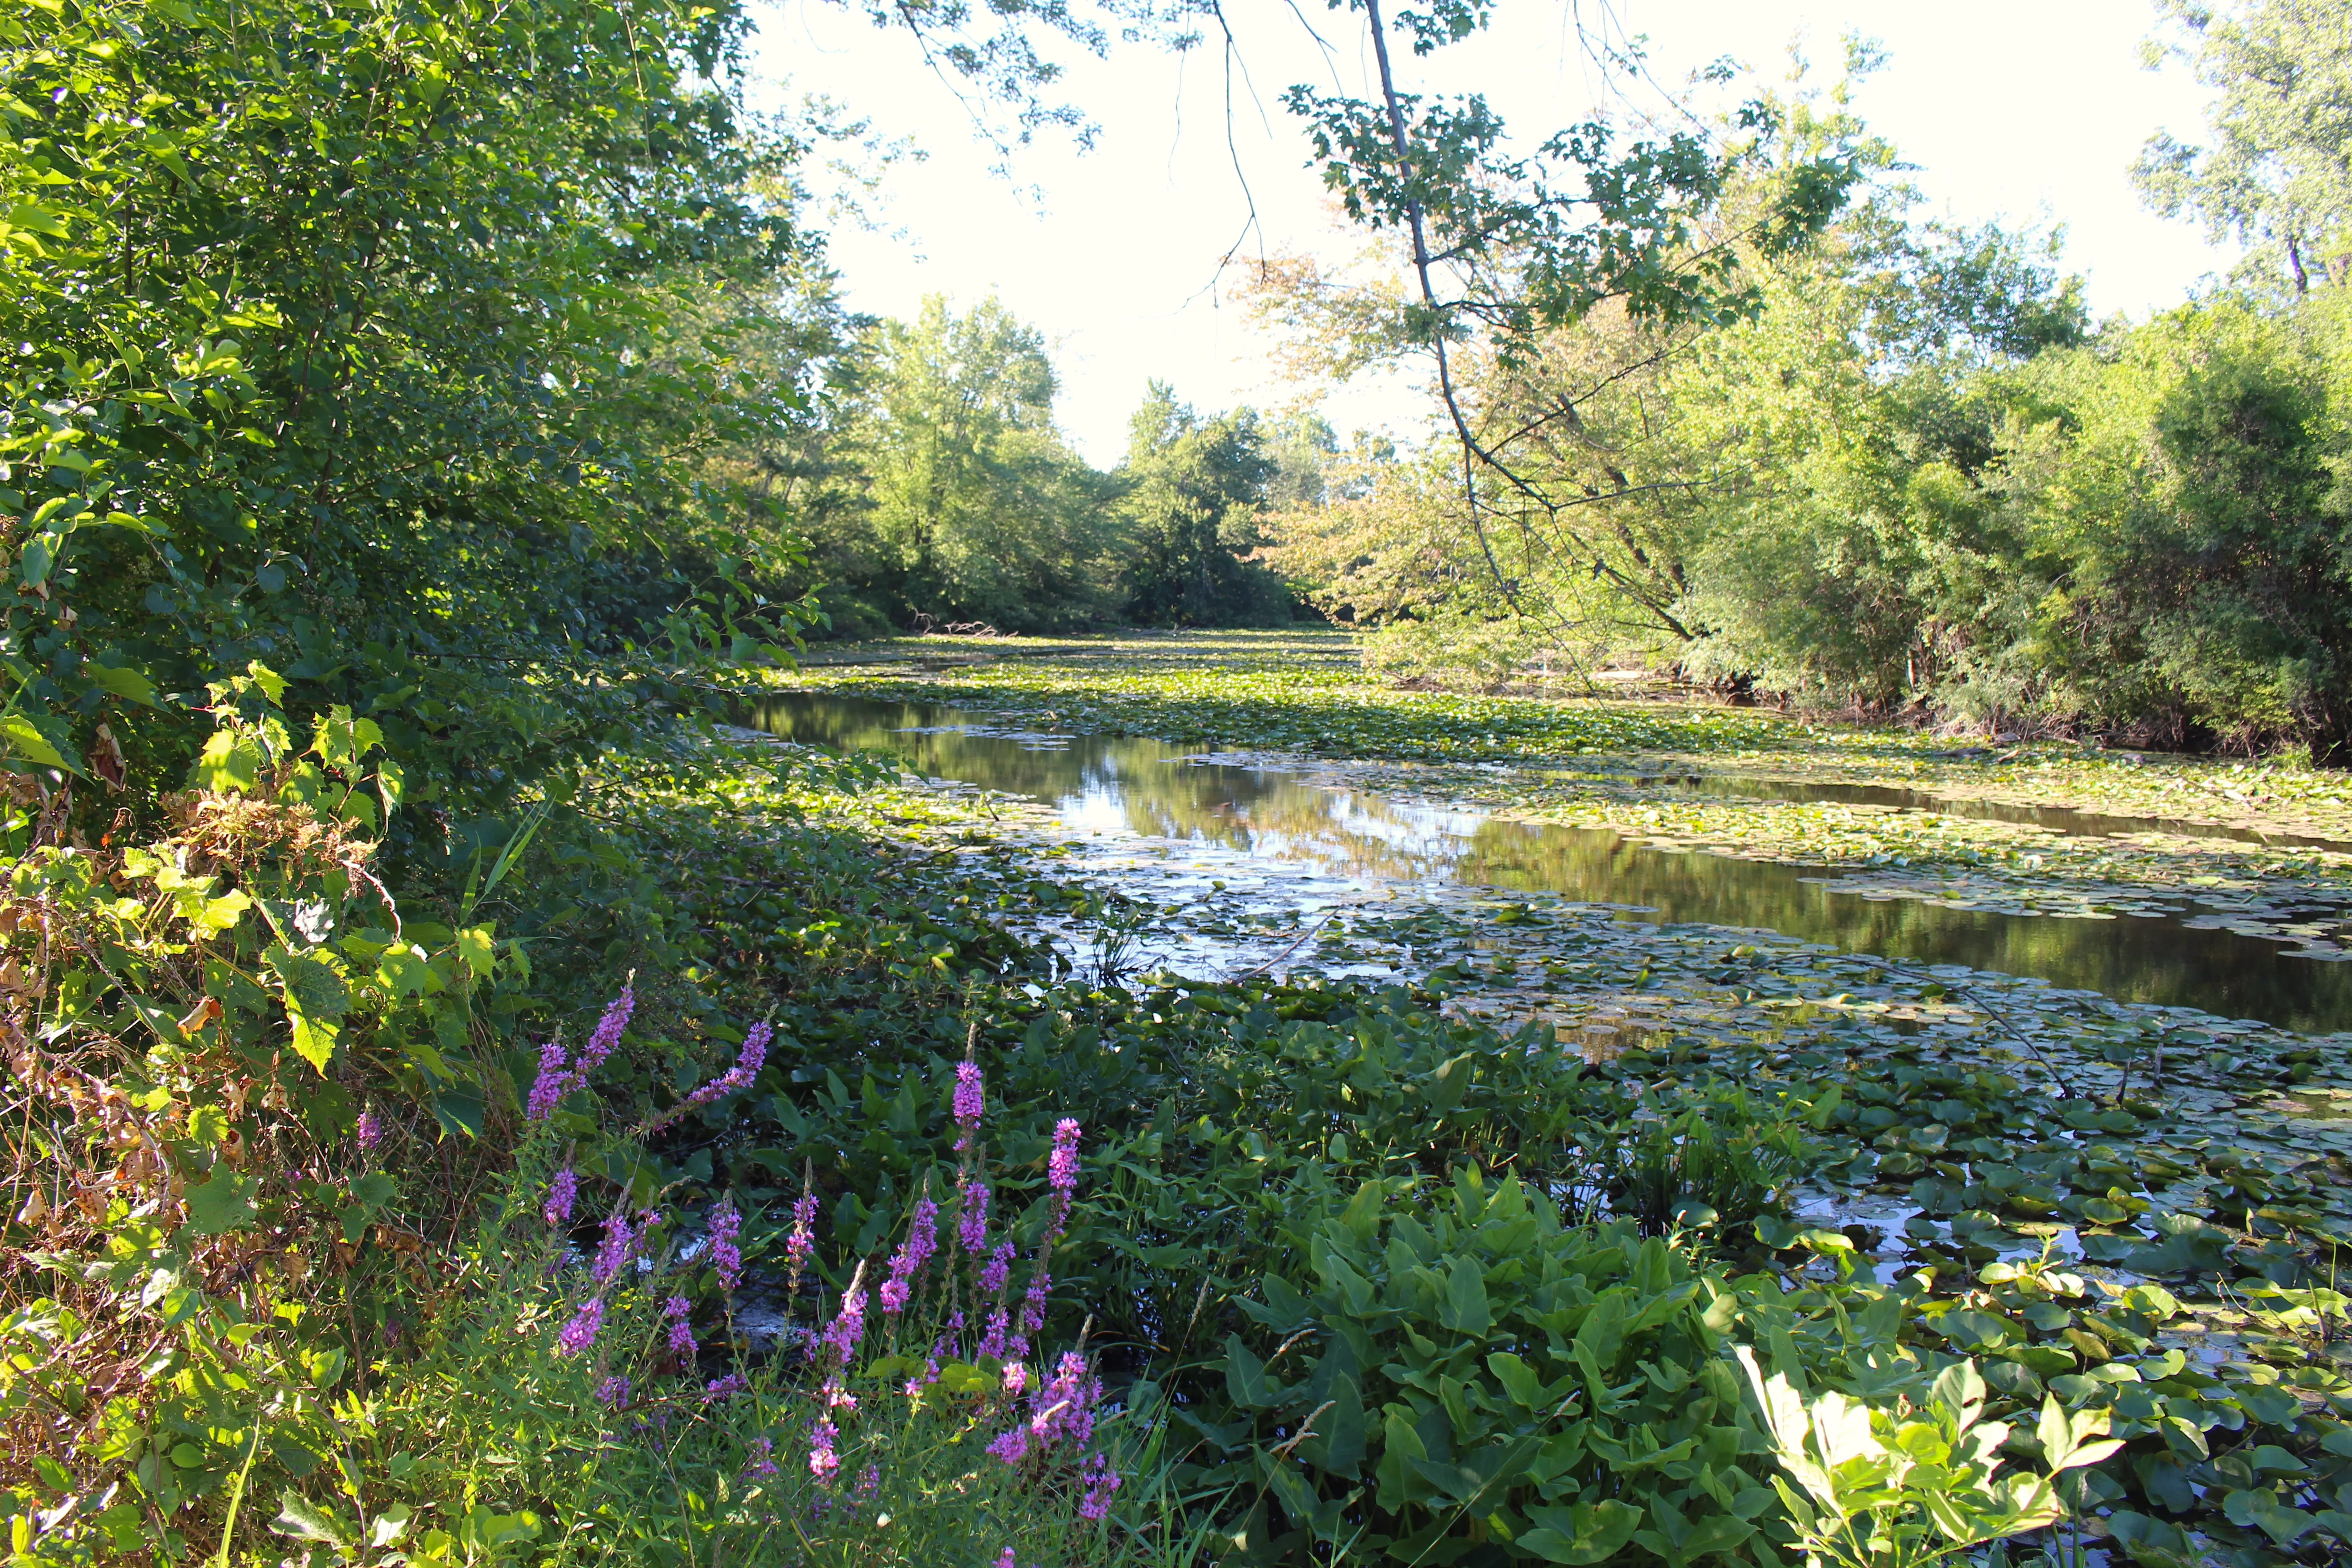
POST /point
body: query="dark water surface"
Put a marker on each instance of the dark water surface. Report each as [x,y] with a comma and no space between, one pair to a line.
[1145,788]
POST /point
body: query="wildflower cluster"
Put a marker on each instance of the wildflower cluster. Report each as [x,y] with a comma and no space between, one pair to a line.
[725,1225]
[556,1078]
[741,1075]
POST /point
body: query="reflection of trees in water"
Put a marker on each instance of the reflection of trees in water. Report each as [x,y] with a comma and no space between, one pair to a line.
[1356,835]
[2130,958]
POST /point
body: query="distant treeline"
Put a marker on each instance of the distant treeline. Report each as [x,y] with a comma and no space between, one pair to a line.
[936,491]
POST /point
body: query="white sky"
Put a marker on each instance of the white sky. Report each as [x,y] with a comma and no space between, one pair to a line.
[2025,111]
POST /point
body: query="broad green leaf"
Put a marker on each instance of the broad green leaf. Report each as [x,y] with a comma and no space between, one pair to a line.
[1464,1308]
[1245,1380]
[23,739]
[1581,1534]
[220,1204]
[122,681]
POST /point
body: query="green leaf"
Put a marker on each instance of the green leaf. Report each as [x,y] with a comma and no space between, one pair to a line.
[374,1192]
[1245,1375]
[2262,1510]
[1464,1308]
[122,681]
[1584,1534]
[1450,1082]
[23,739]
[303,1520]
[1340,1431]
[316,998]
[221,1203]
[231,762]
[40,219]
[1518,1379]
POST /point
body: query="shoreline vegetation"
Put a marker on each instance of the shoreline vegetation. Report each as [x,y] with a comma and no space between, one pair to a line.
[474,1099]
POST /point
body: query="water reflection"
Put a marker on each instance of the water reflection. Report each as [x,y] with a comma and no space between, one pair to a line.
[1143,787]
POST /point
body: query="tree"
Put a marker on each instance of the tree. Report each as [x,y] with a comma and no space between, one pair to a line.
[371,369]
[2278,173]
[1196,487]
[976,509]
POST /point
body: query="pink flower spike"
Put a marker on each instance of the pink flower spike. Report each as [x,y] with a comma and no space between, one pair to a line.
[581,1331]
[561,1195]
[1101,1481]
[970,1102]
[547,1090]
[620,1243]
[992,1278]
[754,1054]
[608,1033]
[972,1228]
[724,1225]
[822,1460]
[1062,1166]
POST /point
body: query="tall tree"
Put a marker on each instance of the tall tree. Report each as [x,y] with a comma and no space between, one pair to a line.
[2277,171]
[979,509]
[1198,485]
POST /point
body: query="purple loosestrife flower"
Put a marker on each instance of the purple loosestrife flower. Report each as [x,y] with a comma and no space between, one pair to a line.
[1062,1165]
[561,1195]
[992,1342]
[971,1226]
[907,1264]
[871,1482]
[822,1460]
[740,1077]
[1033,1304]
[1000,1269]
[681,1332]
[722,1388]
[798,1244]
[1101,1481]
[970,1101]
[840,1340]
[368,1130]
[1006,1560]
[612,1391]
[762,1461]
[608,1033]
[1015,1377]
[613,1255]
[581,1331]
[726,1257]
[1066,1405]
[548,1090]
[1011,1446]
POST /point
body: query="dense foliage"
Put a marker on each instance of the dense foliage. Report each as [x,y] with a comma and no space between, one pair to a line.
[462,1098]
[1913,479]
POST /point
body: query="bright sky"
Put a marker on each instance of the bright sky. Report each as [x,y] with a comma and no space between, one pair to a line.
[2028,111]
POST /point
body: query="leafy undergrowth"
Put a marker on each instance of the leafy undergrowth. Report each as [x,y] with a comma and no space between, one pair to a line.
[349,1234]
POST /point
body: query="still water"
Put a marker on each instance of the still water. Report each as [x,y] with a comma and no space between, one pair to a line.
[1148,789]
